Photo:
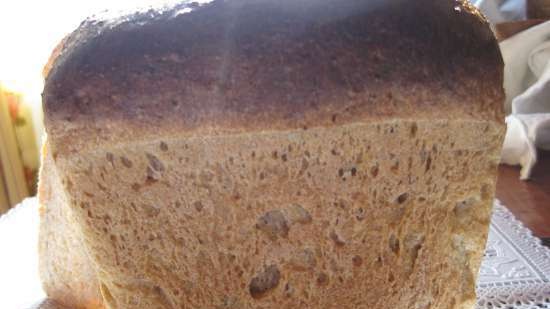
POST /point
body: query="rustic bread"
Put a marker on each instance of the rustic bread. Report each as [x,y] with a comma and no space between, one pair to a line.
[277,154]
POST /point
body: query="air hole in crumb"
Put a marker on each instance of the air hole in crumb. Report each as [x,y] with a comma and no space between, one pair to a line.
[111,158]
[394,244]
[198,206]
[374,171]
[414,129]
[402,198]
[395,167]
[357,261]
[428,163]
[89,194]
[360,216]
[101,187]
[163,146]
[322,279]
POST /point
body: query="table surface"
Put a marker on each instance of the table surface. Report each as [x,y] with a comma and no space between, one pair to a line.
[529,200]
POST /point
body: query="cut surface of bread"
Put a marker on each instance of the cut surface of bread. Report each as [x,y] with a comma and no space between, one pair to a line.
[262,154]
[378,215]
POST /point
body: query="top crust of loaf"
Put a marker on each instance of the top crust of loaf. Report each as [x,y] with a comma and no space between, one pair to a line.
[259,65]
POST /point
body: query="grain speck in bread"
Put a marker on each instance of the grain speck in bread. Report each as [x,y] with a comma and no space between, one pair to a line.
[279,154]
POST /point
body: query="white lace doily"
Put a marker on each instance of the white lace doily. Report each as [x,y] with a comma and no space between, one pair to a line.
[515,273]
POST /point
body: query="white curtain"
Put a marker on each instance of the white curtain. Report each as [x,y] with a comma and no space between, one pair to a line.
[498,11]
[526,83]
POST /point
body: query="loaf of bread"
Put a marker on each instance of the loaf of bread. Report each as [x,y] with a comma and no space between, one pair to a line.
[272,154]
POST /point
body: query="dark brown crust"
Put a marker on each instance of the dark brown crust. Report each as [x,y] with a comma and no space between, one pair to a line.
[253,65]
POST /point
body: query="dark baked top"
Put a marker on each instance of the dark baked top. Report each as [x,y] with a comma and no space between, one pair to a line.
[253,65]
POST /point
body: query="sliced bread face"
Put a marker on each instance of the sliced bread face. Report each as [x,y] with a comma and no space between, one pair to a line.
[369,215]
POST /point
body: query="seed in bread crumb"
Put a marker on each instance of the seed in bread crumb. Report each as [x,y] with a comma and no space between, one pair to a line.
[274,224]
[297,213]
[264,281]
[152,175]
[155,163]
[163,146]
[303,260]
[126,162]
[338,241]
